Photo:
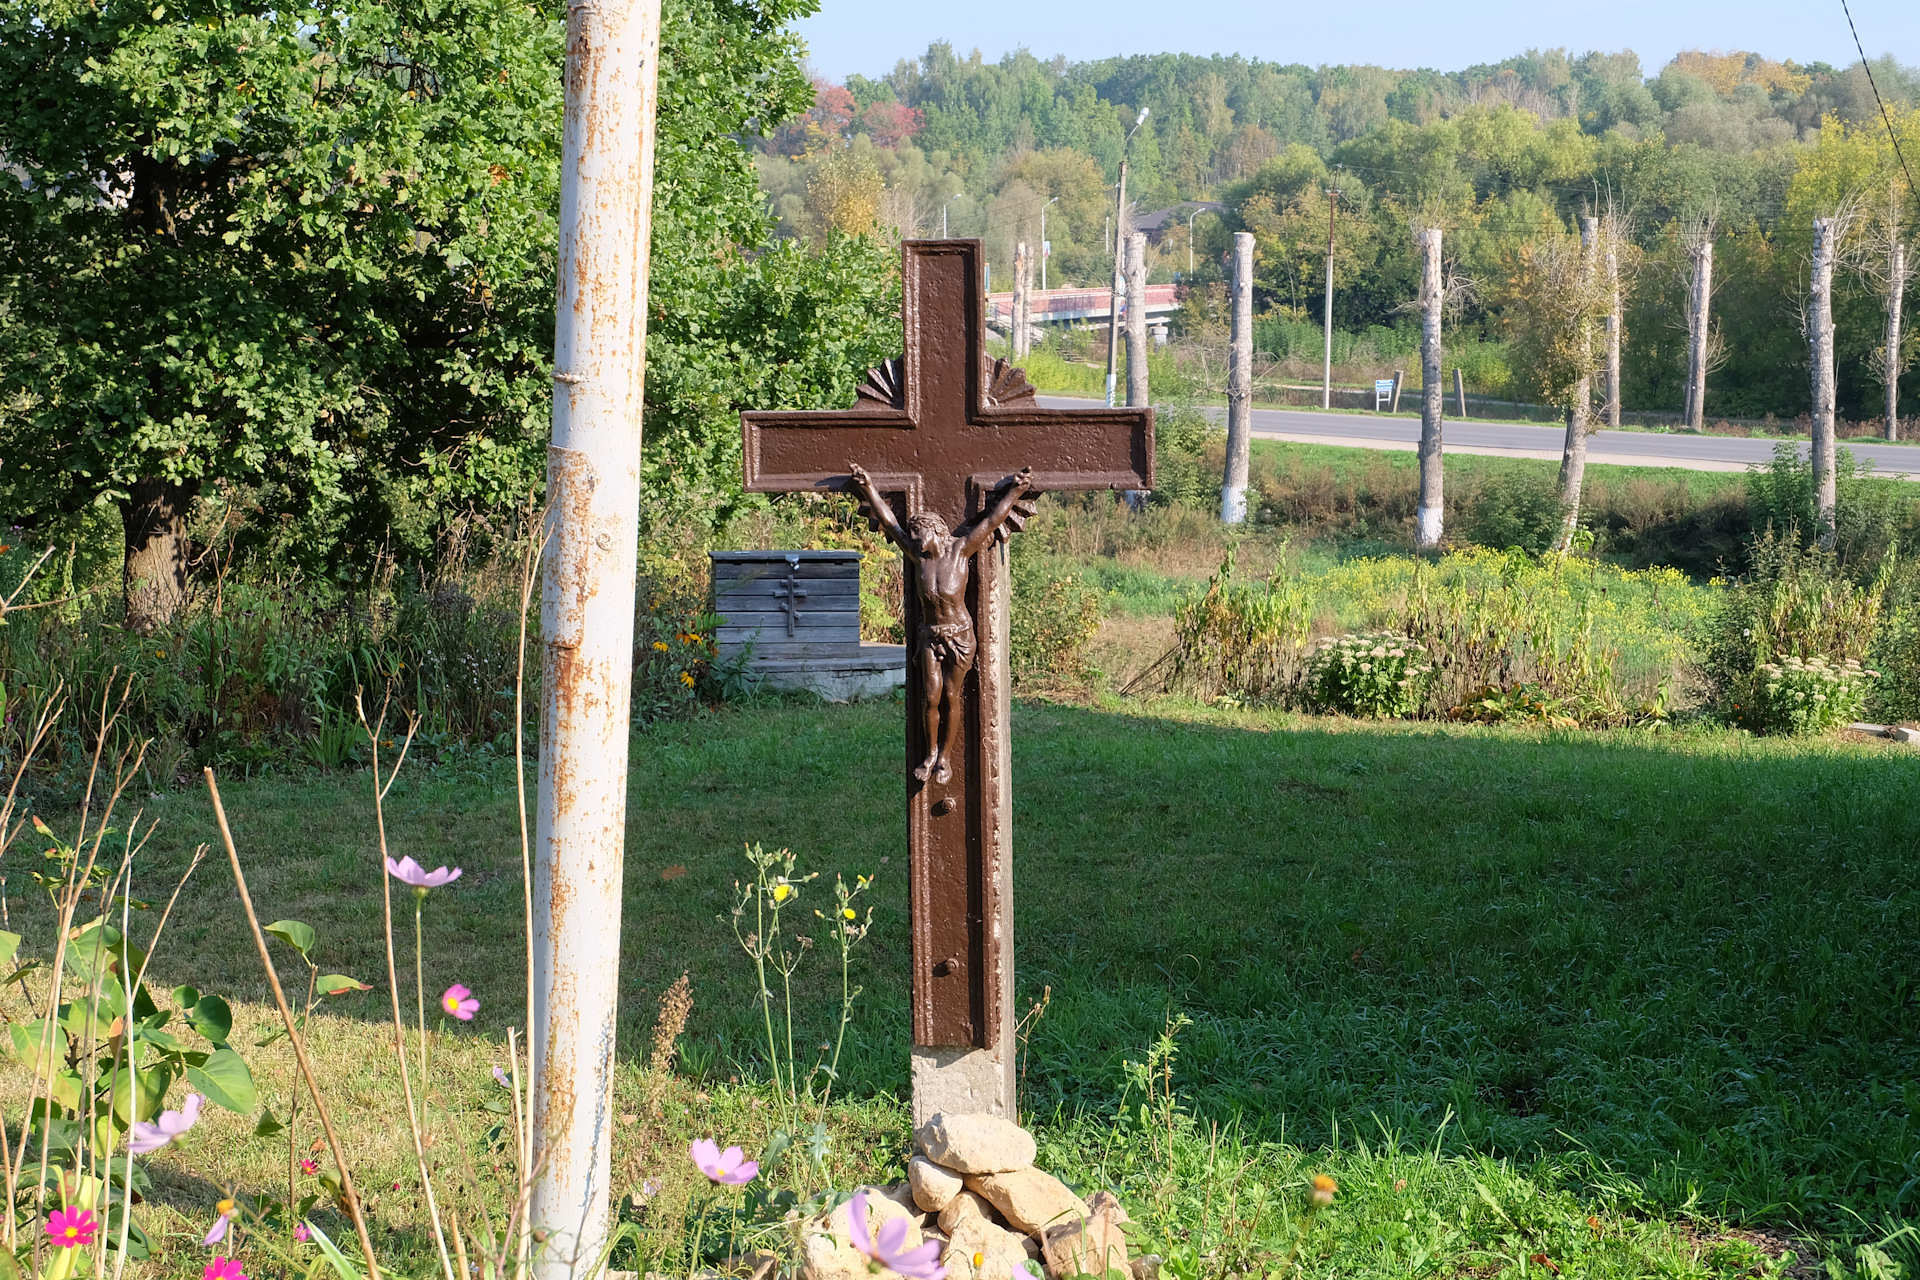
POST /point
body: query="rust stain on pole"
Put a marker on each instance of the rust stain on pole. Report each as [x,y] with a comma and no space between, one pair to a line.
[586,616]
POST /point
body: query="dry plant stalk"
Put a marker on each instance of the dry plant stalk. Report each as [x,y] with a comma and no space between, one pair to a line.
[675,1005]
[293,1031]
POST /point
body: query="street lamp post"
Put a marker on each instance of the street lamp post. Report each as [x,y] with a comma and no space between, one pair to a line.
[943,212]
[1044,254]
[1119,262]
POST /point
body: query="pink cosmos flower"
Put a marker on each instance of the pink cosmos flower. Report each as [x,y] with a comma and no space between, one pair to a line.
[459,1002]
[302,1232]
[502,1079]
[223,1269]
[920,1263]
[219,1231]
[145,1137]
[407,871]
[71,1228]
[309,1166]
[729,1167]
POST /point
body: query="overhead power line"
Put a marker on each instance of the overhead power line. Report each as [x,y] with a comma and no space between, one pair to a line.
[1885,116]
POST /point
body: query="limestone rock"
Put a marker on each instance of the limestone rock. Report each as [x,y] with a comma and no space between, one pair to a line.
[975,1144]
[983,1250]
[1091,1246]
[1030,1200]
[963,1208]
[933,1187]
[826,1246]
[1107,1202]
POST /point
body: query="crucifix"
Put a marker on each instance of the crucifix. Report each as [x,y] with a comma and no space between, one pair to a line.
[946,449]
[790,593]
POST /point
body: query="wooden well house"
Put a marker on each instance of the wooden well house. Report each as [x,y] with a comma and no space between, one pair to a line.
[796,617]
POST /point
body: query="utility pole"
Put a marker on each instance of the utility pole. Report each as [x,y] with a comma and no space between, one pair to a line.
[1119,225]
[1046,245]
[586,620]
[1233,494]
[1138,396]
[1190,218]
[943,212]
[1326,324]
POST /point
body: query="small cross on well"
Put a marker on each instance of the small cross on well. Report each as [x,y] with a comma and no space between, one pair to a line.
[946,449]
[790,593]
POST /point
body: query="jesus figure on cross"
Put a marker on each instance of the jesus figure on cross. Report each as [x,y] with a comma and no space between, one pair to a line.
[945,643]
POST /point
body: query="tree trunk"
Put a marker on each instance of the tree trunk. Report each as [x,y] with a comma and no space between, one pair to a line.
[1233,495]
[1699,302]
[1820,340]
[1119,282]
[1896,296]
[154,518]
[1137,394]
[1613,334]
[1573,458]
[1429,523]
[1022,282]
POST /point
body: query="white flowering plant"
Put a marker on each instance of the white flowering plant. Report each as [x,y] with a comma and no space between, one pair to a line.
[1810,695]
[1370,673]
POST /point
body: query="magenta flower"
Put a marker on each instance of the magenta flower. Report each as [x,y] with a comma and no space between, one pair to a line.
[71,1228]
[459,1002]
[223,1269]
[302,1232]
[146,1137]
[407,871]
[730,1167]
[919,1263]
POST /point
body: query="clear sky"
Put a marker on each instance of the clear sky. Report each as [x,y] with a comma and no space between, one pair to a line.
[869,36]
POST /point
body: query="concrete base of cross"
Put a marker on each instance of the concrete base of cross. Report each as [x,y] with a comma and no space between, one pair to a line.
[963,1082]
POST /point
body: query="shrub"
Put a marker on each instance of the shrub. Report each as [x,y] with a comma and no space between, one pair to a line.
[1809,695]
[1054,619]
[1796,603]
[1240,640]
[1372,673]
[1185,473]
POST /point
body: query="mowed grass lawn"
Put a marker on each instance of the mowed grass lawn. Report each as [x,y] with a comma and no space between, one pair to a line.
[1689,959]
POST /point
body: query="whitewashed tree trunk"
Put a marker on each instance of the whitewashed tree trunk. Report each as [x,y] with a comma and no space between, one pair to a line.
[1573,457]
[1022,281]
[1896,297]
[1429,517]
[1820,342]
[1233,494]
[1613,330]
[1137,396]
[1699,306]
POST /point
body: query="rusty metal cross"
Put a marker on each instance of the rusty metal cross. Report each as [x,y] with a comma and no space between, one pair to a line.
[939,429]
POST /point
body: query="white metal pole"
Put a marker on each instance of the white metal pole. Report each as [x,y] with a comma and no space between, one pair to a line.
[586,616]
[1045,251]
[1326,323]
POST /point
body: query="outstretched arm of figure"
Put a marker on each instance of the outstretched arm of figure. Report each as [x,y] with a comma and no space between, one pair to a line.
[881,508]
[1011,492]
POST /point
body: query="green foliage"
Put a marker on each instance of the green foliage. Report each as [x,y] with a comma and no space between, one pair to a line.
[1240,641]
[1055,617]
[1374,674]
[1808,695]
[1524,512]
[1870,514]
[1186,458]
[1796,603]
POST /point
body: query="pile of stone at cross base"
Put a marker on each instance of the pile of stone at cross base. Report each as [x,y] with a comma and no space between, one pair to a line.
[971,1185]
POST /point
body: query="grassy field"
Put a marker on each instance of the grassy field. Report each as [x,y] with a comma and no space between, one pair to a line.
[1497,981]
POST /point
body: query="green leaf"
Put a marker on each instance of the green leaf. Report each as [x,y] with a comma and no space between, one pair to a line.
[212,1018]
[338,1260]
[225,1079]
[9,943]
[267,1126]
[294,934]
[334,984]
[186,997]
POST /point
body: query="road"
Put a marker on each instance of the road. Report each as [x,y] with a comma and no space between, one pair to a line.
[1508,440]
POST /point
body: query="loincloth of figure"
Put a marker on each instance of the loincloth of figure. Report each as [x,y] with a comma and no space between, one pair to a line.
[950,643]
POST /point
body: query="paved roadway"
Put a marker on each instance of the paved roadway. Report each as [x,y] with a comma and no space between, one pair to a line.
[1625,448]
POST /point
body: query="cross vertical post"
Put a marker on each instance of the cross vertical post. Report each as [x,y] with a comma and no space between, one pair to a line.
[944,446]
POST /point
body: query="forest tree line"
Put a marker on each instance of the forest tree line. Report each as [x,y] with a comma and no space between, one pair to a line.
[1505,157]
